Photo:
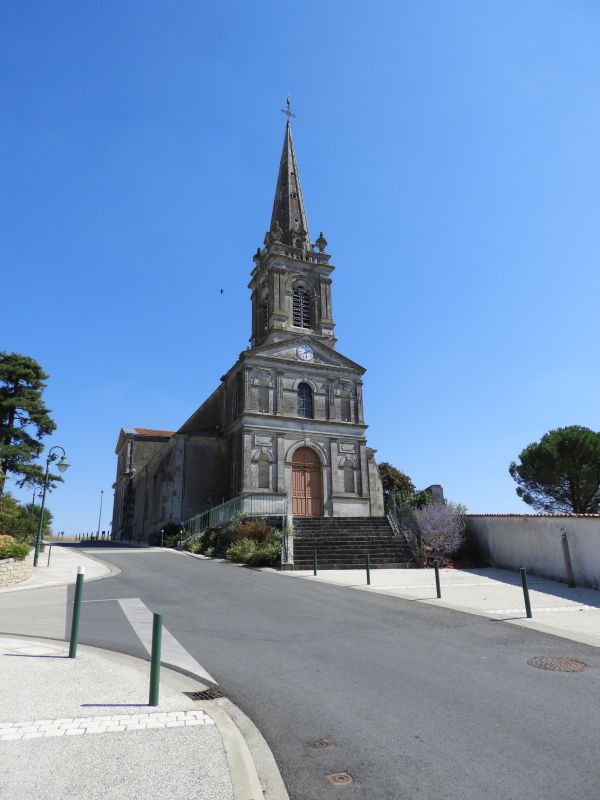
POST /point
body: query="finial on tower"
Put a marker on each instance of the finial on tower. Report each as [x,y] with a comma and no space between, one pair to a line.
[288,108]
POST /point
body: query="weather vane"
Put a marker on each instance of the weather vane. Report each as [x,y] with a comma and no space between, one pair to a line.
[288,108]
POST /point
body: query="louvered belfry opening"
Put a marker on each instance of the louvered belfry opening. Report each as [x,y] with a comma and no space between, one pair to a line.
[301,308]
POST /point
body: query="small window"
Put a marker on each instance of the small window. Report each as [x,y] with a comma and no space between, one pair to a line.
[263,471]
[305,401]
[348,476]
[263,398]
[264,313]
[346,415]
[301,308]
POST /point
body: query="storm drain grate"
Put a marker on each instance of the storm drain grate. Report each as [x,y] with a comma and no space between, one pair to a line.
[340,778]
[557,664]
[321,744]
[210,694]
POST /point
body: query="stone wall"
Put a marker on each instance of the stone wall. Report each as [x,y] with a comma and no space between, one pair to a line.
[533,541]
[15,570]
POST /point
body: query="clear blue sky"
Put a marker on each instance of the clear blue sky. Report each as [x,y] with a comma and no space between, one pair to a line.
[448,151]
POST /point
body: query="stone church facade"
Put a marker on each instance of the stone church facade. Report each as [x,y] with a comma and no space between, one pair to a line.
[287,419]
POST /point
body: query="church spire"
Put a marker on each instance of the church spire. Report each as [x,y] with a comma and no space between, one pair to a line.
[288,220]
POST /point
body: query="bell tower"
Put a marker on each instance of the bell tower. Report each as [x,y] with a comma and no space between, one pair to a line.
[291,279]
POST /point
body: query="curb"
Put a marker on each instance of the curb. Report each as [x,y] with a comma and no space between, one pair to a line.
[19,587]
[252,767]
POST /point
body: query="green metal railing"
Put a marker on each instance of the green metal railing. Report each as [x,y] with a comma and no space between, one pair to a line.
[255,504]
[403,520]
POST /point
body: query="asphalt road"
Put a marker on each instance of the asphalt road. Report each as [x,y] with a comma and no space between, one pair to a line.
[419,702]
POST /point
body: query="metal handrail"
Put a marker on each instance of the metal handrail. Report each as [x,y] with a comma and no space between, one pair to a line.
[253,504]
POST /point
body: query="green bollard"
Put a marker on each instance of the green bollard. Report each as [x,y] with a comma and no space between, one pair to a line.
[526,593]
[438,590]
[76,613]
[315,561]
[155,659]
[368,568]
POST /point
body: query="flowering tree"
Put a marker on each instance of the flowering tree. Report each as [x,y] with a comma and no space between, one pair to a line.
[443,530]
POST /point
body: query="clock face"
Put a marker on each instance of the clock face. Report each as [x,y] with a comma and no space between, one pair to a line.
[305,352]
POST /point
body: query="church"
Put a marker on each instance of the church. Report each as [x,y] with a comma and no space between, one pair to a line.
[286,421]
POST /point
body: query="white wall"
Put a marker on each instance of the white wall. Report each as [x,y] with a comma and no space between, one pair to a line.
[534,542]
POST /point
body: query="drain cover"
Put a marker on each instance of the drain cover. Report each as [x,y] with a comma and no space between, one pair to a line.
[210,694]
[557,664]
[340,778]
[321,744]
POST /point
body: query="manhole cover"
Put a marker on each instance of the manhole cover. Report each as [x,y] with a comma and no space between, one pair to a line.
[210,694]
[340,778]
[557,664]
[321,744]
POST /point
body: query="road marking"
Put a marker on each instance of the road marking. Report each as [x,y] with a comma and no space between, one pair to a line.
[109,600]
[140,619]
[539,609]
[119,723]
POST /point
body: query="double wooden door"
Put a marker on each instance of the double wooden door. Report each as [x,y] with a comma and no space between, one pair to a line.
[307,484]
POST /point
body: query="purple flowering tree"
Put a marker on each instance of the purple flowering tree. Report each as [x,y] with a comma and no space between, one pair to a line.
[443,531]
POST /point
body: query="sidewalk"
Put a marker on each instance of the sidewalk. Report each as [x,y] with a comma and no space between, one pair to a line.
[82,728]
[63,569]
[493,593]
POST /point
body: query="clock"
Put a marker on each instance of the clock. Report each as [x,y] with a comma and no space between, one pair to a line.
[305,352]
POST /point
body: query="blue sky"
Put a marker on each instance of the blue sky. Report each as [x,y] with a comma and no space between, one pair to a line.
[448,151]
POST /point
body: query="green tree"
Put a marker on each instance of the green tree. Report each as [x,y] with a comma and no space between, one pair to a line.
[561,472]
[22,521]
[24,419]
[395,482]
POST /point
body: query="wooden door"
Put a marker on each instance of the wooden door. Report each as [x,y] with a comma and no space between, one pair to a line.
[307,484]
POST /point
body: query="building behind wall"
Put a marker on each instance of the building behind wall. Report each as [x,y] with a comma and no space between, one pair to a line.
[288,416]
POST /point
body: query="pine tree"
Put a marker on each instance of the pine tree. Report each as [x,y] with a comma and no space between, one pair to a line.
[24,419]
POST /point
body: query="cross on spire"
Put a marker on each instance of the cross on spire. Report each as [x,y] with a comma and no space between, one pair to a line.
[288,108]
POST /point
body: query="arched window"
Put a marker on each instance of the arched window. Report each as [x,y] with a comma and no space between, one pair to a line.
[263,398]
[263,471]
[345,401]
[348,476]
[305,401]
[301,308]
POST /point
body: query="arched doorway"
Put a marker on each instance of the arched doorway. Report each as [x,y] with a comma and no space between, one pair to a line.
[307,484]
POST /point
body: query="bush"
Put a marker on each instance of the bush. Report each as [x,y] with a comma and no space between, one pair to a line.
[6,539]
[256,529]
[443,531]
[211,542]
[247,551]
[256,544]
[13,549]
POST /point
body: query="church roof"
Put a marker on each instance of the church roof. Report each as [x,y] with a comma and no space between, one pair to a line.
[153,432]
[288,206]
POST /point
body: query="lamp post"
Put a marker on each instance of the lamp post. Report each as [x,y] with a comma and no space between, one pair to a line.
[62,465]
[100,514]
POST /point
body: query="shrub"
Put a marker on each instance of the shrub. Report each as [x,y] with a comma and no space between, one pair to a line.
[242,551]
[6,539]
[211,542]
[256,529]
[443,529]
[13,549]
[247,551]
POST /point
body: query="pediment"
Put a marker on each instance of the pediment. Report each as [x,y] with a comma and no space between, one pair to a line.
[289,350]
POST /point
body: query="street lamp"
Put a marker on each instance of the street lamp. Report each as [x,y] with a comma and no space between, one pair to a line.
[62,465]
[100,514]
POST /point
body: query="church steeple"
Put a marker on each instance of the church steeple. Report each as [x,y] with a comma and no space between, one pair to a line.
[288,220]
[291,279]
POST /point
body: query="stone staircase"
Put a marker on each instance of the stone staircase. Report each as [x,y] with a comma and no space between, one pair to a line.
[343,542]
